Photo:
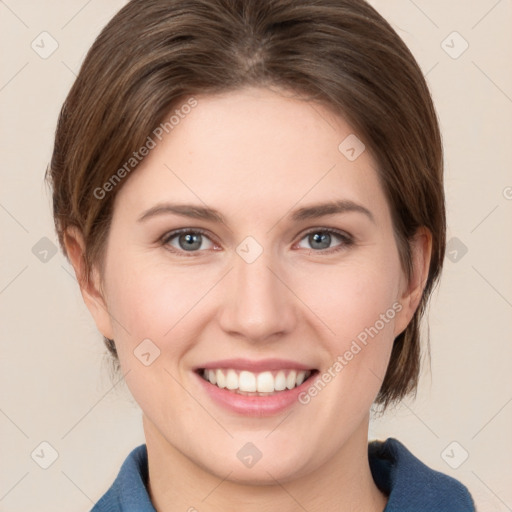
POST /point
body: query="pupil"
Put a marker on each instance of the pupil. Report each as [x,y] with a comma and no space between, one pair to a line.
[190,241]
[320,240]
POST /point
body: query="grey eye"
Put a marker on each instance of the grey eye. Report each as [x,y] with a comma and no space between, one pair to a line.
[319,240]
[189,241]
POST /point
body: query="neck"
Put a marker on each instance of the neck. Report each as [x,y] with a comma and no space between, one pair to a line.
[344,483]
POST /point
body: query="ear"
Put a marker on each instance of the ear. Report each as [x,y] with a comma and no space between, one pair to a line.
[421,253]
[90,285]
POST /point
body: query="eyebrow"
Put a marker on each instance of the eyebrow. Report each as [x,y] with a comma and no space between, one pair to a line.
[186,210]
[308,212]
[331,208]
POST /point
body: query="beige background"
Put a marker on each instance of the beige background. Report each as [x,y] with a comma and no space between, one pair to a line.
[54,384]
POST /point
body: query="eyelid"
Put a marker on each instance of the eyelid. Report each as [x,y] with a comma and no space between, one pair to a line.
[174,232]
[325,229]
[347,238]
[168,236]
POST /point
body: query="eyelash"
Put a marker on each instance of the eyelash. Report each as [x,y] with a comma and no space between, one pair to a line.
[346,240]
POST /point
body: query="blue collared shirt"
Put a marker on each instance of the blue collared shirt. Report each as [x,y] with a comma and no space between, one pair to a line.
[410,485]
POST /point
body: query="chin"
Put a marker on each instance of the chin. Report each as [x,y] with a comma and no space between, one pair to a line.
[264,474]
[262,463]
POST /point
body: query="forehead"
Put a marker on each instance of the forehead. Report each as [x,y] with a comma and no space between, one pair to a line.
[255,148]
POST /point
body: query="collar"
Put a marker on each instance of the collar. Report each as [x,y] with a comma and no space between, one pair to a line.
[409,484]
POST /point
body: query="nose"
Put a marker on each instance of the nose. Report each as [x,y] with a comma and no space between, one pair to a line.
[257,305]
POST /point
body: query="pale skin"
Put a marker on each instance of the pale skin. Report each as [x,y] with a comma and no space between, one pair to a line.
[255,156]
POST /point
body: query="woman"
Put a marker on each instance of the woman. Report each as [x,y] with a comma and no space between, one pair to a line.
[251,196]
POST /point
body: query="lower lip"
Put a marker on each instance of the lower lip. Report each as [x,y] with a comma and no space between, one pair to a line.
[254,405]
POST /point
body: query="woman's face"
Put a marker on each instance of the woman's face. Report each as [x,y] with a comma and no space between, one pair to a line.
[251,244]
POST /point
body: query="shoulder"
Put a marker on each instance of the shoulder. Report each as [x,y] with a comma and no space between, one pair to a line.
[128,493]
[411,485]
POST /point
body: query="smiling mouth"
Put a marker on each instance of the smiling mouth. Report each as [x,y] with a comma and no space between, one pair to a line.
[248,383]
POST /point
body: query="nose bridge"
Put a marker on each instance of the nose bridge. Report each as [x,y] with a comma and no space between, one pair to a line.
[257,305]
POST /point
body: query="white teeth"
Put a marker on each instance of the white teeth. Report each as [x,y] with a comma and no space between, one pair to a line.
[232,380]
[300,378]
[280,381]
[221,379]
[246,381]
[265,382]
[290,380]
[212,376]
[249,382]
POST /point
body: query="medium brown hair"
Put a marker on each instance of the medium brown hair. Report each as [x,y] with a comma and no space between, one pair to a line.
[156,53]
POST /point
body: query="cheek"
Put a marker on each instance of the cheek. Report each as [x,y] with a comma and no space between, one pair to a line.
[153,326]
[358,304]
[353,295]
[152,301]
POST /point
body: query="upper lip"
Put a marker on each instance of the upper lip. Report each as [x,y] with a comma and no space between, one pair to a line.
[255,366]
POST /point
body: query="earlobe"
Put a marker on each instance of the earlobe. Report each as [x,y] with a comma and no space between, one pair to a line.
[90,285]
[421,252]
